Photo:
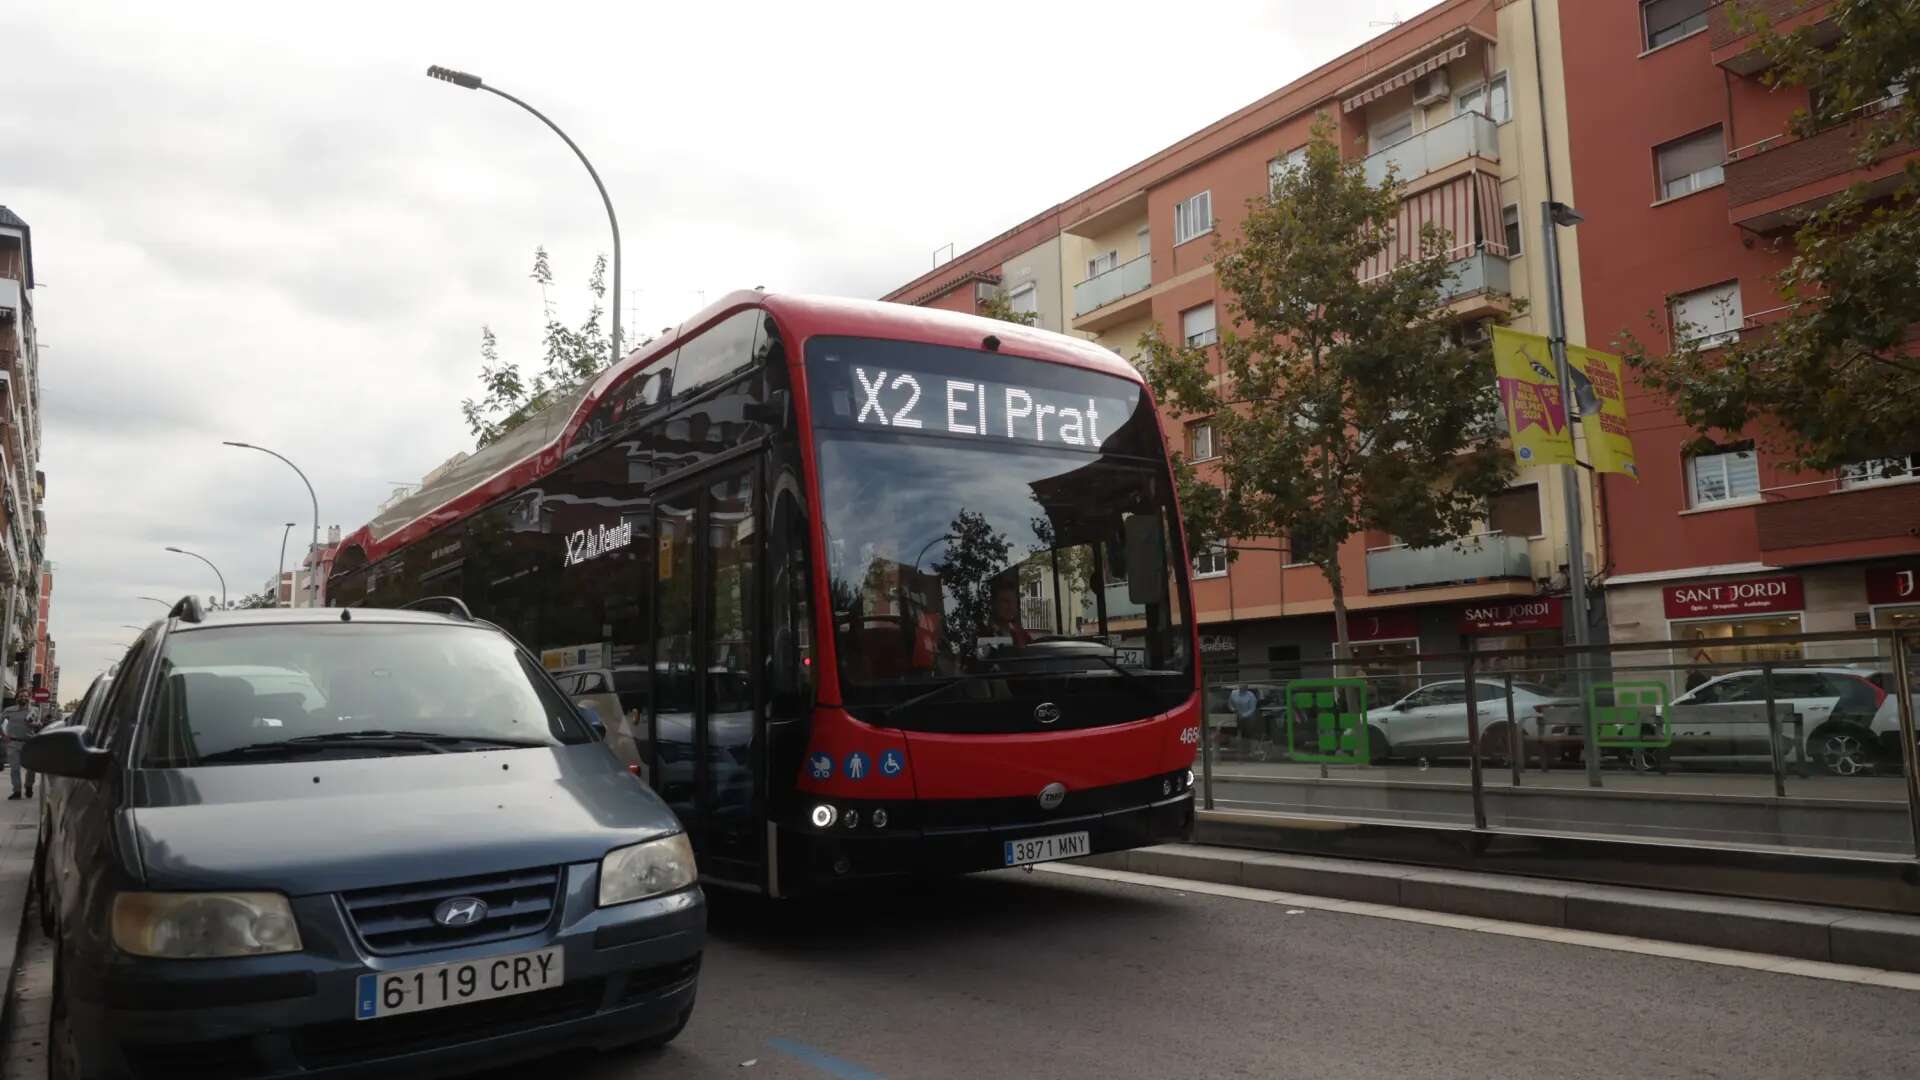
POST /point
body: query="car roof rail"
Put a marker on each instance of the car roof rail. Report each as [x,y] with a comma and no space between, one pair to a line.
[443,605]
[188,610]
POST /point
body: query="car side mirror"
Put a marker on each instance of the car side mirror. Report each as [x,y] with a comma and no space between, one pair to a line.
[64,752]
[592,716]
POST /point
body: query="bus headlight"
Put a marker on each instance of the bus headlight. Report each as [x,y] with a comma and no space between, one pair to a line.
[638,871]
[200,926]
[824,816]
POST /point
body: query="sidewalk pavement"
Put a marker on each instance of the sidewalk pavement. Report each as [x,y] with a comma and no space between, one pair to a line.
[19,828]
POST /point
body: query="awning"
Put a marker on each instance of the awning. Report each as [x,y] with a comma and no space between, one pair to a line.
[1382,89]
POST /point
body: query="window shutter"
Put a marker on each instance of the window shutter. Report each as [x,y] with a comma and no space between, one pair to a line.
[1693,154]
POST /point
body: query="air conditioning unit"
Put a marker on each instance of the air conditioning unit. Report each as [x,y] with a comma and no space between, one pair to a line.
[1431,87]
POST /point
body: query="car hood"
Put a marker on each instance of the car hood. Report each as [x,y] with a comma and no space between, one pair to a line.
[323,826]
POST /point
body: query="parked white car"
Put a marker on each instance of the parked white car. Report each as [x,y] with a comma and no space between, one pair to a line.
[1432,720]
[1835,706]
[1884,749]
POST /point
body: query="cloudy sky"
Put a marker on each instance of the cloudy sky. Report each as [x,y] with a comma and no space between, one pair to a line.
[251,225]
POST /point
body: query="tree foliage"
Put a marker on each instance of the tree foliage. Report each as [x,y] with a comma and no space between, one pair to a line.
[265,598]
[1836,380]
[570,356]
[1338,406]
[997,306]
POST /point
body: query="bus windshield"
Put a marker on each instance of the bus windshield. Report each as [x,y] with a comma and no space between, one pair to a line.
[988,514]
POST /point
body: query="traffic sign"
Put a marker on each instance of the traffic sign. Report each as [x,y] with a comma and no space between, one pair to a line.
[42,695]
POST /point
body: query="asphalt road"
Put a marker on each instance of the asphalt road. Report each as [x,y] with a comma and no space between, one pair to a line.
[1015,975]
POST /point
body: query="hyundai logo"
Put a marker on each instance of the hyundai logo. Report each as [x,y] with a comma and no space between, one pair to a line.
[1046,712]
[460,911]
[1053,795]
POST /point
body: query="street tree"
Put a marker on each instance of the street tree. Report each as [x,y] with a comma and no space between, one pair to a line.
[1338,405]
[1836,381]
[265,598]
[997,306]
[570,356]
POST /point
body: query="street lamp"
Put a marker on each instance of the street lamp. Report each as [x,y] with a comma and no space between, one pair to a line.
[1555,216]
[472,82]
[313,576]
[209,562]
[281,568]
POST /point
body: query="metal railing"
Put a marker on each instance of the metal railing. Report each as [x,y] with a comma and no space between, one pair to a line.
[1467,135]
[1104,288]
[1802,741]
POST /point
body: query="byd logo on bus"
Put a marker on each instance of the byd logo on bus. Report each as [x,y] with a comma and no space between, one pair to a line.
[1765,594]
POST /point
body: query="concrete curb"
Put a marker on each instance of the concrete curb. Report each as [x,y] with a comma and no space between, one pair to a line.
[1834,935]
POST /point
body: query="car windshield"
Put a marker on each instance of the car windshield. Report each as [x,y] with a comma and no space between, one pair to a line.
[1005,517]
[263,693]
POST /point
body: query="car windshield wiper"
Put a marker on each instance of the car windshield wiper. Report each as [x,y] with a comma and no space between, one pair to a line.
[314,744]
[434,739]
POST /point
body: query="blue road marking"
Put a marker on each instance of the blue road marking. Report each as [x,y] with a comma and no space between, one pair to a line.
[820,1059]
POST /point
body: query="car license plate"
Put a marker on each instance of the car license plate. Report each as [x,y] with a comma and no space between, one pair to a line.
[390,993]
[1045,848]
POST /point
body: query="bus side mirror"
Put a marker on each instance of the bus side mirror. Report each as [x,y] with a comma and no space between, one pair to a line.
[1146,559]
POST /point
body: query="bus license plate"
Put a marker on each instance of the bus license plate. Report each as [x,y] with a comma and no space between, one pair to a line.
[390,993]
[1046,848]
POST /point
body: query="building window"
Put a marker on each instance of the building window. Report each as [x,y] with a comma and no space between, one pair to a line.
[1515,511]
[1667,21]
[1200,441]
[1290,161]
[1211,562]
[1198,327]
[1300,551]
[1510,221]
[1490,99]
[1192,217]
[1689,164]
[1707,318]
[1394,129]
[1880,471]
[1024,300]
[1145,236]
[1733,475]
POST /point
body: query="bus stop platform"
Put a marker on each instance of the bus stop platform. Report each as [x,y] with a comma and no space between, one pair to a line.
[1807,932]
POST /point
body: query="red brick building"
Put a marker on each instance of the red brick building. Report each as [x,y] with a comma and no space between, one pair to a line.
[1691,184]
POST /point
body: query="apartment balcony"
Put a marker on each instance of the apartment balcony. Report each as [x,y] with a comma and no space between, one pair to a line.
[1482,285]
[1486,557]
[1430,156]
[12,299]
[1113,289]
[1774,184]
[1738,50]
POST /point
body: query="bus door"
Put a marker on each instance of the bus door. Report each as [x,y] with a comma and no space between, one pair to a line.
[707,738]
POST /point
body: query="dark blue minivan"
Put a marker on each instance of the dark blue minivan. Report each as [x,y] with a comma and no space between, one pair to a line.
[318,841]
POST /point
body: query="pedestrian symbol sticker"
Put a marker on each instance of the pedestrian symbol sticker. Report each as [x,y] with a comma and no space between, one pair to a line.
[821,766]
[858,766]
[892,763]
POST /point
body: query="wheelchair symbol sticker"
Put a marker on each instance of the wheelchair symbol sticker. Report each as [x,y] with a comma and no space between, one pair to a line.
[892,763]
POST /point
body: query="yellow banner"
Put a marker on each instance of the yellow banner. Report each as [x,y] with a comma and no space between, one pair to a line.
[1600,396]
[1530,392]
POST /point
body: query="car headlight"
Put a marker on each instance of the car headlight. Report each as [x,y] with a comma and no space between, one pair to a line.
[200,926]
[642,870]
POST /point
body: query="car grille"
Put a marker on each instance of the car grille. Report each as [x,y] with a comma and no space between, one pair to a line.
[399,918]
[345,1042]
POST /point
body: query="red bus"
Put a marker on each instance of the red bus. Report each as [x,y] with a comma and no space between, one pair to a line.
[860,589]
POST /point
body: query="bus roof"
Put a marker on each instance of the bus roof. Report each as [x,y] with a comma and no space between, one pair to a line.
[537,447]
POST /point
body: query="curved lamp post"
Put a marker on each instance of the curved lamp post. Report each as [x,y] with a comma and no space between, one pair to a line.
[209,562]
[313,576]
[473,82]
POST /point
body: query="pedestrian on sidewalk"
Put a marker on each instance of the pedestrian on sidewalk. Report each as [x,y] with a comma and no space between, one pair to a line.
[16,725]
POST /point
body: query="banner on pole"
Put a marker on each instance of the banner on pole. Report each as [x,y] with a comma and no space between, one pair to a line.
[1600,394]
[1530,393]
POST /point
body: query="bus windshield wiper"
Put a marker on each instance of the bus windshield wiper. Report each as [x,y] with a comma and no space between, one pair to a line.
[945,687]
[1134,679]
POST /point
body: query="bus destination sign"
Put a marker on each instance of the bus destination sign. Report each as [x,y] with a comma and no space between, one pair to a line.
[919,401]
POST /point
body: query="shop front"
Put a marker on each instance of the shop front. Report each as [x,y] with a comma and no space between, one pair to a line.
[1717,618]
[1510,625]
